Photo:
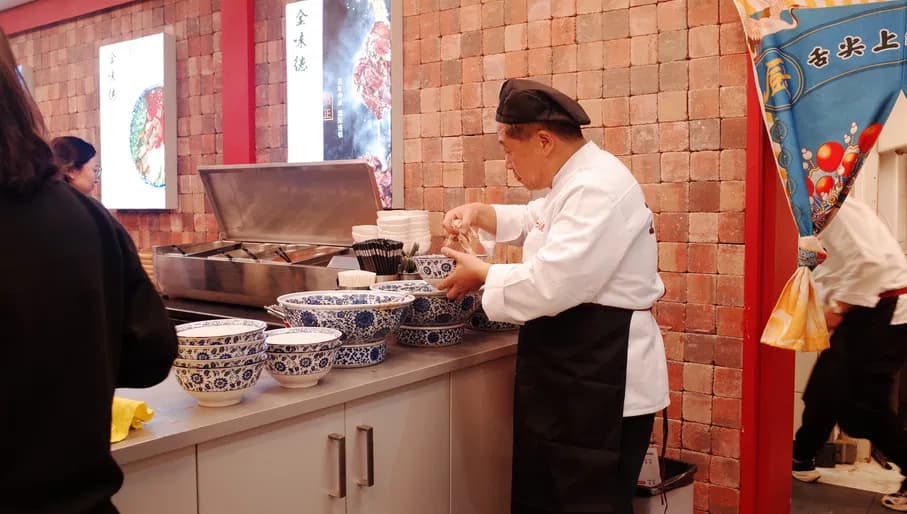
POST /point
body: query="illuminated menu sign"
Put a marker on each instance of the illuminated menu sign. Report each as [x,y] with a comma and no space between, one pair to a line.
[138,123]
[339,84]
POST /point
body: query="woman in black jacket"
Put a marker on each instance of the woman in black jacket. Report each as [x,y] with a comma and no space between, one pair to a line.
[78,318]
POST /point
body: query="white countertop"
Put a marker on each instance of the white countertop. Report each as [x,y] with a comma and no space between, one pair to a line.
[180,422]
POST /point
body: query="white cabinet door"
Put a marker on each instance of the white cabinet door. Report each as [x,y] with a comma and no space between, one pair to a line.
[481,437]
[165,483]
[411,449]
[285,468]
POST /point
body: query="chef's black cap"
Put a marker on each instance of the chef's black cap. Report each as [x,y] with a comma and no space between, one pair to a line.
[527,101]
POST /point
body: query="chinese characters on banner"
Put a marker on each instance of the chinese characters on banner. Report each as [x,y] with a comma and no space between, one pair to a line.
[112,76]
[305,91]
[138,123]
[339,84]
[828,77]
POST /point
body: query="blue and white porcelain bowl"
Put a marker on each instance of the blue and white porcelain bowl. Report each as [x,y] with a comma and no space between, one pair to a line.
[361,355]
[431,307]
[247,360]
[303,339]
[430,336]
[221,351]
[362,316]
[479,321]
[220,331]
[218,387]
[434,268]
[302,369]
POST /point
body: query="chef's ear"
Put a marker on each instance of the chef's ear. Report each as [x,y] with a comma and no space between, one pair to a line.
[546,141]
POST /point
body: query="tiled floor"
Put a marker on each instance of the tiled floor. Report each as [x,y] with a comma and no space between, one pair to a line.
[866,476]
[829,499]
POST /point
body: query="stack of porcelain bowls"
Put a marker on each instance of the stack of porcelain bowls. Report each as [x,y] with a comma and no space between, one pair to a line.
[300,356]
[365,318]
[219,360]
[364,233]
[433,320]
[409,227]
[479,321]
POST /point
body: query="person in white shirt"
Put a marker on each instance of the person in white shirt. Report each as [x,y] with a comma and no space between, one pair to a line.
[591,367]
[861,284]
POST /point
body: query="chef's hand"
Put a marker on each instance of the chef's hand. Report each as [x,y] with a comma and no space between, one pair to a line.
[475,214]
[468,276]
[832,320]
[460,218]
[833,317]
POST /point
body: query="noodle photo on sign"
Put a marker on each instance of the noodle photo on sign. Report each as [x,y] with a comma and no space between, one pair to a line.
[146,136]
[345,47]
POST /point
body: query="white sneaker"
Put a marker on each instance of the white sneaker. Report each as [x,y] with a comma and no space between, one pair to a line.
[809,476]
[805,471]
[896,501]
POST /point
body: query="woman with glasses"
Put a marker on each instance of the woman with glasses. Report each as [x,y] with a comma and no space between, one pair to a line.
[77,161]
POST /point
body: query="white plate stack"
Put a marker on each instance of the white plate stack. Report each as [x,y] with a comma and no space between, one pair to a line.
[406,226]
[364,233]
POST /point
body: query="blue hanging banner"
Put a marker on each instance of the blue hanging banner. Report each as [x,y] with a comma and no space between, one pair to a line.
[828,76]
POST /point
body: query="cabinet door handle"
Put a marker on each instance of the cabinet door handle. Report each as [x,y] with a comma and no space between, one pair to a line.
[340,492]
[369,456]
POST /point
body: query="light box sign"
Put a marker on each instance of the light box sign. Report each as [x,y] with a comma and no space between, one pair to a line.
[339,84]
[137,93]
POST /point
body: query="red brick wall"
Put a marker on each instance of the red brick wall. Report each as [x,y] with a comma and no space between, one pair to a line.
[270,81]
[64,58]
[664,83]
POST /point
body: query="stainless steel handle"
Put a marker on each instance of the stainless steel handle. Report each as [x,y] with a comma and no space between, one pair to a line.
[276,311]
[340,492]
[369,479]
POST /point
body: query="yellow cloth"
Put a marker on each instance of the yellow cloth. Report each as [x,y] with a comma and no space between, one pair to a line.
[127,413]
[798,321]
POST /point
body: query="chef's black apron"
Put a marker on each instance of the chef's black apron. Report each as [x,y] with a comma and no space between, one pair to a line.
[568,412]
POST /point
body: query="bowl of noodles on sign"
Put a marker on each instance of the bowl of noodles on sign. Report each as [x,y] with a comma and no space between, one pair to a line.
[146,136]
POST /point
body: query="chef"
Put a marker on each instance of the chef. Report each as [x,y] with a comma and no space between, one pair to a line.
[591,370]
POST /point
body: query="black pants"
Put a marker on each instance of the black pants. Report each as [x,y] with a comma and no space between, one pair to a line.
[851,385]
[634,441]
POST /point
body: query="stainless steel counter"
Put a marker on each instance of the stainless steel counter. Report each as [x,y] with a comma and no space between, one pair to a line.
[183,310]
[179,422]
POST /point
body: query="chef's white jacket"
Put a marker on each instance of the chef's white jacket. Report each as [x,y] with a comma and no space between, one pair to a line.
[589,240]
[864,260]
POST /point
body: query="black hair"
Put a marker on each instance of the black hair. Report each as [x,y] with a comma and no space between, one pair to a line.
[71,153]
[563,130]
[26,162]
